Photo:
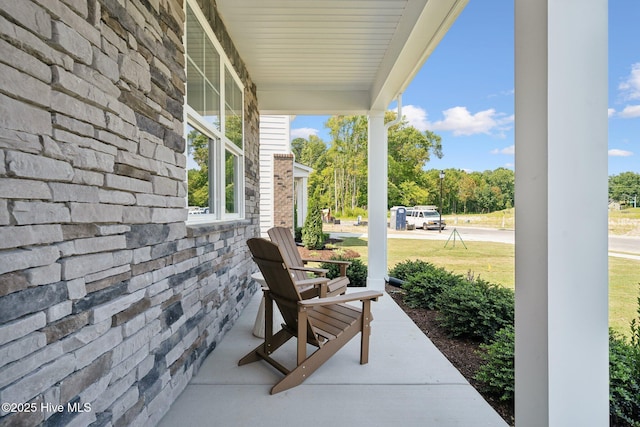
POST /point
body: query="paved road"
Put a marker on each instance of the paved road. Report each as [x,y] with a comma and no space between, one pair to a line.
[617,244]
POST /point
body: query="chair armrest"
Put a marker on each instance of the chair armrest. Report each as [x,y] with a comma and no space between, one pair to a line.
[341,264]
[313,281]
[319,271]
[329,261]
[340,299]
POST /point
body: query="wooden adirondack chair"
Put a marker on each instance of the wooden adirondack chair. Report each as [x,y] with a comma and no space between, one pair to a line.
[327,323]
[283,237]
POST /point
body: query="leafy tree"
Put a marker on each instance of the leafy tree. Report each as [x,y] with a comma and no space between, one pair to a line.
[339,179]
[409,151]
[624,187]
[348,154]
[466,190]
[297,145]
[310,152]
[198,179]
[504,180]
[198,188]
[411,193]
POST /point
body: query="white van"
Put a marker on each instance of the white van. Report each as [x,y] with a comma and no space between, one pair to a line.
[426,217]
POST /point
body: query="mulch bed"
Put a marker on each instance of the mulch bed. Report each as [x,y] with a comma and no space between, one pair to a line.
[326,254]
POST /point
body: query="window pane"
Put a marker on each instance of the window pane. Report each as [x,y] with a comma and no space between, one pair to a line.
[198,172]
[212,107]
[195,95]
[233,109]
[203,72]
[231,184]
[212,84]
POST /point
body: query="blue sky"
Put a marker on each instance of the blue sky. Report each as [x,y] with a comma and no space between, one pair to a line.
[464,92]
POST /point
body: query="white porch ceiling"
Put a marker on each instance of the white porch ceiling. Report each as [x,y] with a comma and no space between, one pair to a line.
[334,56]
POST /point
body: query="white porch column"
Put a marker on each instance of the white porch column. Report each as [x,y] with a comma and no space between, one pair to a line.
[302,200]
[377,196]
[561,213]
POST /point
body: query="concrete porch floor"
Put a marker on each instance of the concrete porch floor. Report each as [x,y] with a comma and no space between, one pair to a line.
[407,382]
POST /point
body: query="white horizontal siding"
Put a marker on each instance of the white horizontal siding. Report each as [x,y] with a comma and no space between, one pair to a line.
[274,139]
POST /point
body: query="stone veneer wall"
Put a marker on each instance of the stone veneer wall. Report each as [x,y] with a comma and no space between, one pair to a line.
[283,190]
[108,300]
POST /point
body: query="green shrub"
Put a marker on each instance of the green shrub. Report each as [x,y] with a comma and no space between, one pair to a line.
[475,309]
[403,270]
[356,272]
[497,375]
[297,234]
[423,288]
[624,376]
[624,382]
[312,237]
[497,372]
[635,339]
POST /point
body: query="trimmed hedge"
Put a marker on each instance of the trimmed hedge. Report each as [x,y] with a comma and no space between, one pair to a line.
[498,372]
[356,272]
[624,376]
[475,309]
[423,282]
[423,289]
[624,382]
[405,269]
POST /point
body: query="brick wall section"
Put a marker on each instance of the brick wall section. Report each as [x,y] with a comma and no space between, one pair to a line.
[107,297]
[283,190]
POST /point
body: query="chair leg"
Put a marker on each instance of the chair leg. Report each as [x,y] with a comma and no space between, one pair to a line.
[262,351]
[302,337]
[315,360]
[366,332]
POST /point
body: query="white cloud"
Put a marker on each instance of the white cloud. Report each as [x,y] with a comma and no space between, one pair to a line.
[615,152]
[630,111]
[461,122]
[611,112]
[416,116]
[631,87]
[510,150]
[502,93]
[303,133]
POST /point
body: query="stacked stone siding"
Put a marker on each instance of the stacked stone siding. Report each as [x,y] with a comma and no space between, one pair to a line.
[283,190]
[109,300]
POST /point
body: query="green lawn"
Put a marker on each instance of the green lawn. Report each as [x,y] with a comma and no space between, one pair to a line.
[494,262]
[626,221]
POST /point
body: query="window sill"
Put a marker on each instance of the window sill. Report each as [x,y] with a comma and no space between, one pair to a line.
[201,228]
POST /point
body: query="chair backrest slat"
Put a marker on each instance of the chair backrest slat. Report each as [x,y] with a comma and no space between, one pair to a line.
[268,256]
[283,237]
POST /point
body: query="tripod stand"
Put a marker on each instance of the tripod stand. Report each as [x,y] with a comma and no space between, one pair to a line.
[453,234]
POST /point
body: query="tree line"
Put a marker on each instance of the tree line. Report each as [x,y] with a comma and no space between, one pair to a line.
[625,188]
[339,177]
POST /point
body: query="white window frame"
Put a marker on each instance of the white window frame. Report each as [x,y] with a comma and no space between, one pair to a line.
[220,143]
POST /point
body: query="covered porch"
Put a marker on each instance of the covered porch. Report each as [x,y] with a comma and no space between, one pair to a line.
[407,382]
[112,296]
[357,57]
